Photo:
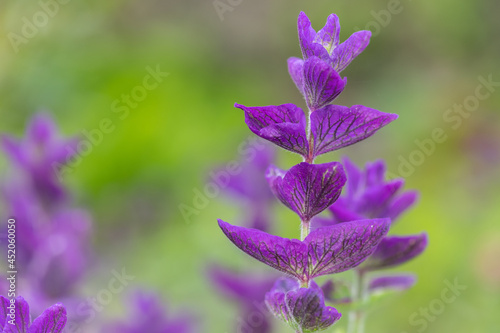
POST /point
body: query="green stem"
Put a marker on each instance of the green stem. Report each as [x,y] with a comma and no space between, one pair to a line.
[358,294]
[305,227]
[309,159]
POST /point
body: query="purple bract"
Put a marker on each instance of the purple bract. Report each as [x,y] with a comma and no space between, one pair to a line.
[307,189]
[324,251]
[15,317]
[302,308]
[333,127]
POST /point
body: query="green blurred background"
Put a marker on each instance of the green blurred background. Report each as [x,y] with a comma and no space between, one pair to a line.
[423,59]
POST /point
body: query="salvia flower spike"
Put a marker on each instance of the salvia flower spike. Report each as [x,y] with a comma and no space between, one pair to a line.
[362,215]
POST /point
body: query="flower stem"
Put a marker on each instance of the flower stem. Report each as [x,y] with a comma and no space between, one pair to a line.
[358,295]
[304,229]
[310,140]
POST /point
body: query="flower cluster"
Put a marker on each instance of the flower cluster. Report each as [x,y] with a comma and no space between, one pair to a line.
[53,241]
[356,235]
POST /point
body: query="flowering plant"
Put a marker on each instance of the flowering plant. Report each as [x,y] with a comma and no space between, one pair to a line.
[355,237]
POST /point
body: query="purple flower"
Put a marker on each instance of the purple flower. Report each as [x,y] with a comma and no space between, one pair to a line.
[39,154]
[62,257]
[148,314]
[54,247]
[369,195]
[317,76]
[332,127]
[324,251]
[52,237]
[307,189]
[249,291]
[15,317]
[249,186]
[302,308]
[391,282]
[395,250]
[325,43]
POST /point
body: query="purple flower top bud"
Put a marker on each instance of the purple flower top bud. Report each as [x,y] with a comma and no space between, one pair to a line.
[40,154]
[15,317]
[325,44]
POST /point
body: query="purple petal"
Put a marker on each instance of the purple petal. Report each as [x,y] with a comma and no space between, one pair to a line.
[336,292]
[283,125]
[375,173]
[275,298]
[322,84]
[341,214]
[350,49]
[302,308]
[296,70]
[308,189]
[395,282]
[286,255]
[394,250]
[306,39]
[373,200]
[22,317]
[354,177]
[343,246]
[148,314]
[401,204]
[41,129]
[243,287]
[335,127]
[51,320]
[14,151]
[329,35]
[4,311]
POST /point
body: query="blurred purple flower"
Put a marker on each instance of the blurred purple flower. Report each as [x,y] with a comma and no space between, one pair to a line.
[392,282]
[148,314]
[15,317]
[395,250]
[40,154]
[63,255]
[248,290]
[52,238]
[368,195]
[249,186]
